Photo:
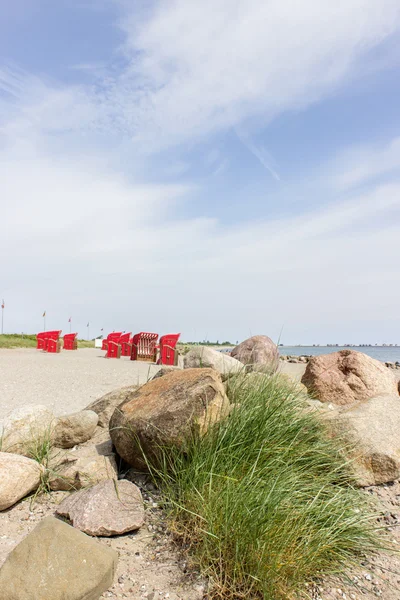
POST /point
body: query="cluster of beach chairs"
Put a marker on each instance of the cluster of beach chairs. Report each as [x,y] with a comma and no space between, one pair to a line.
[49,341]
[141,346]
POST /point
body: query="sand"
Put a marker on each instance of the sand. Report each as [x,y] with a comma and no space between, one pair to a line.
[65,382]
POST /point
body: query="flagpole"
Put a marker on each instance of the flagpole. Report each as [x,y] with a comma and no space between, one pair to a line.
[44,321]
[70,324]
[88,331]
[2,316]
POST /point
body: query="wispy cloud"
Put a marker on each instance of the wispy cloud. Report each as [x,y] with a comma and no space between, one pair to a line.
[361,164]
[259,151]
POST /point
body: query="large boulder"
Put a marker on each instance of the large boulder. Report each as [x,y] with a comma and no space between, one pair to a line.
[108,508]
[26,428]
[204,357]
[258,353]
[86,466]
[57,562]
[167,412]
[19,476]
[372,431]
[347,377]
[105,406]
[74,429]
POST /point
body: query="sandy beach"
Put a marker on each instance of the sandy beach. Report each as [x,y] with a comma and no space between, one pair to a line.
[65,382]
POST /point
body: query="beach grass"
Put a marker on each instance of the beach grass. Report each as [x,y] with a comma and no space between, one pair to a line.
[265,501]
[16,340]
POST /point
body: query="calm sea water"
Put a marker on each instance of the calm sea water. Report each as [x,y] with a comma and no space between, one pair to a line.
[383,353]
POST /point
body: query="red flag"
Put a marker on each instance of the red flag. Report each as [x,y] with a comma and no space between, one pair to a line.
[69,320]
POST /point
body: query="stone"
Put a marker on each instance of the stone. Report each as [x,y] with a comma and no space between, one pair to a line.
[258,353]
[19,476]
[105,406]
[83,467]
[347,377]
[204,357]
[57,562]
[108,508]
[74,429]
[372,430]
[167,412]
[26,428]
[164,370]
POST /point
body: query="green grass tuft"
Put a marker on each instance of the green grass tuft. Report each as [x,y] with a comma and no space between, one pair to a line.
[265,500]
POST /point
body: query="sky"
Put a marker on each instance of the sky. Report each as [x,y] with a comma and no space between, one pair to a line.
[222,168]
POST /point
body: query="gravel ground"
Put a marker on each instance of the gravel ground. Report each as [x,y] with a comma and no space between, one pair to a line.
[65,382]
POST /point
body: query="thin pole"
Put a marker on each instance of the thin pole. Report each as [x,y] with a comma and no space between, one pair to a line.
[2,317]
[88,332]
[44,323]
[70,325]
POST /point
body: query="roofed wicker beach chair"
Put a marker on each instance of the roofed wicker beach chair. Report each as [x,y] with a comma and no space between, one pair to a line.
[144,346]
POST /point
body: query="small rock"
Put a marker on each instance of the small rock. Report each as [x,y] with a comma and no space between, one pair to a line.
[19,476]
[109,508]
[26,428]
[74,429]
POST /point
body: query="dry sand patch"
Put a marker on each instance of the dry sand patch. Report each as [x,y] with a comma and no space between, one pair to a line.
[65,382]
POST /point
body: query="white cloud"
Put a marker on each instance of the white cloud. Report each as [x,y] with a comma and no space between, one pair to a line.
[359,165]
[83,241]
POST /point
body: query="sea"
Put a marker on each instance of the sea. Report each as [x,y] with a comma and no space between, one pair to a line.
[383,353]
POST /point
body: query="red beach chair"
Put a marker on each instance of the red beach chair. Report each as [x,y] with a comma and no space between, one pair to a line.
[113,337]
[144,346]
[168,352]
[113,349]
[70,341]
[53,343]
[126,344]
[41,341]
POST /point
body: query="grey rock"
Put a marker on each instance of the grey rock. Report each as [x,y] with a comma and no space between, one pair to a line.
[74,429]
[258,353]
[83,467]
[57,562]
[108,508]
[19,476]
[372,429]
[105,406]
[26,428]
[204,357]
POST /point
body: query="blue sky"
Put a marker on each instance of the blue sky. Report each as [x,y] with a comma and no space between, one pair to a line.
[222,168]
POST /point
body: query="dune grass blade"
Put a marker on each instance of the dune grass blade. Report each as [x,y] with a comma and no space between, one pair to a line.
[265,500]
